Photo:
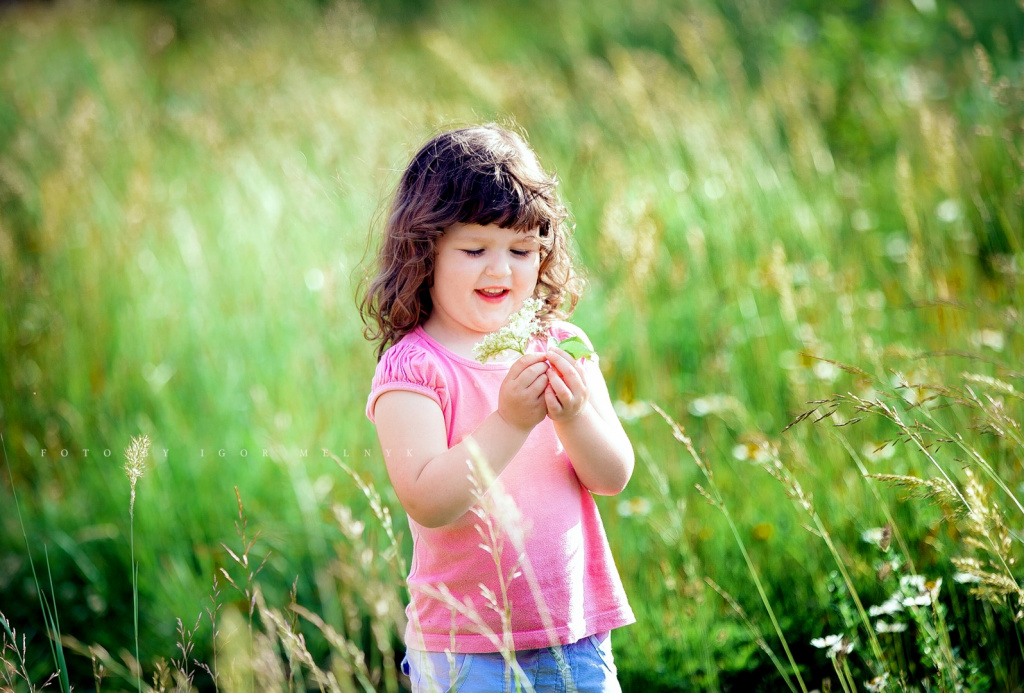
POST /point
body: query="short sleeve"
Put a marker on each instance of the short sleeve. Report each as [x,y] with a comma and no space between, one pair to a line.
[408,366]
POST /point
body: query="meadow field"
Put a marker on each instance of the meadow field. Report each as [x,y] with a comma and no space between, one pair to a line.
[802,226]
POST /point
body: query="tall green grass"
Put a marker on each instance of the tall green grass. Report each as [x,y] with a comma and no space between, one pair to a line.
[775,206]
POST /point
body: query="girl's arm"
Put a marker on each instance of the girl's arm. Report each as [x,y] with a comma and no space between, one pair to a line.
[587,425]
[432,480]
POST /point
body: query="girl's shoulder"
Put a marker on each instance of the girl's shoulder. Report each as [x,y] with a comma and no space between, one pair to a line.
[409,364]
[411,352]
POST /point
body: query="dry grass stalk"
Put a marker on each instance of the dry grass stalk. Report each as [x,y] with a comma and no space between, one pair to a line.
[774,466]
[294,645]
[714,496]
[13,666]
[939,490]
[351,659]
[755,632]
[986,531]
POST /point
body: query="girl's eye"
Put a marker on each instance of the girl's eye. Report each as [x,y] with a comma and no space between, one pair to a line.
[473,253]
[522,253]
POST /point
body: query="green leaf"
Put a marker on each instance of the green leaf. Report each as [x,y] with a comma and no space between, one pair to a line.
[576,347]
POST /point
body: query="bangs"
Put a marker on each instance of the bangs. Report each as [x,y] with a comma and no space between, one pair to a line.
[501,198]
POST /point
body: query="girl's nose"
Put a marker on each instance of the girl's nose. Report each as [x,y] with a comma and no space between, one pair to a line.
[498,268]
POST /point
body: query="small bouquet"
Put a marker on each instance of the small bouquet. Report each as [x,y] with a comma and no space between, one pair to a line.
[515,336]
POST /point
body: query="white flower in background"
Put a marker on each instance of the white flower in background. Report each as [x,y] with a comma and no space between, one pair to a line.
[919,600]
[883,627]
[843,648]
[873,535]
[634,507]
[829,641]
[918,592]
[836,644]
[948,210]
[877,684]
[514,336]
[915,582]
[965,578]
[828,372]
[752,451]
[713,404]
[993,339]
[631,411]
[886,608]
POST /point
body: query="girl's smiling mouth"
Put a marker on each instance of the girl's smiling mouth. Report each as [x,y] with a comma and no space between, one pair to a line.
[493,295]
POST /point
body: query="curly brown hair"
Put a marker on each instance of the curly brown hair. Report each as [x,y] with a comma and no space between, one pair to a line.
[478,175]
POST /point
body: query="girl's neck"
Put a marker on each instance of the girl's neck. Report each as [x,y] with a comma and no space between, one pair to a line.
[458,344]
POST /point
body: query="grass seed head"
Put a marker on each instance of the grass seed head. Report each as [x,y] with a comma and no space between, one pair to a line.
[135,464]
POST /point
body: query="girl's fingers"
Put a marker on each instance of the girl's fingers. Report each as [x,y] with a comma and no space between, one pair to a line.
[554,406]
[570,371]
[530,374]
[525,362]
[538,386]
[558,386]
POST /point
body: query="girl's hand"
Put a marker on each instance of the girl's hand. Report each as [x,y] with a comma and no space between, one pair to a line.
[521,397]
[566,393]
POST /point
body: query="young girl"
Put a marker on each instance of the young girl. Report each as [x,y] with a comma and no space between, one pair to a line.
[474,230]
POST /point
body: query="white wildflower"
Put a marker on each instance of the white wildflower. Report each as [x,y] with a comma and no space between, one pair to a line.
[919,600]
[823,370]
[634,507]
[884,627]
[965,578]
[912,581]
[752,451]
[844,648]
[993,339]
[829,641]
[631,411]
[837,645]
[886,608]
[916,591]
[713,404]
[948,210]
[877,684]
[873,535]
[514,336]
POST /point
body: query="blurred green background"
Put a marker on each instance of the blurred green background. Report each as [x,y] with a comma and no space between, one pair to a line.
[186,194]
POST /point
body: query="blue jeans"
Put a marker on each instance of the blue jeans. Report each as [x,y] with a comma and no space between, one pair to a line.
[585,666]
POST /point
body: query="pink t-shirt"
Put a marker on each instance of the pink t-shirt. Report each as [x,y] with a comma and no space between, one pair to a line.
[566,587]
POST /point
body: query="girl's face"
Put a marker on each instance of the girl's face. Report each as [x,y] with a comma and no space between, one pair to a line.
[482,274]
